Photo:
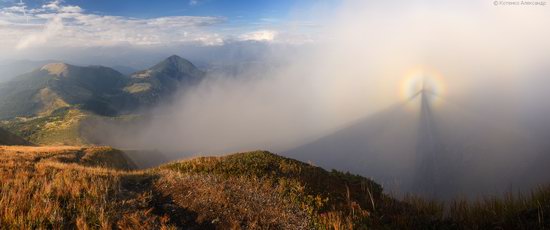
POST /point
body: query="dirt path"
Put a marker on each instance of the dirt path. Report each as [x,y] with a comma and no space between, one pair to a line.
[139,192]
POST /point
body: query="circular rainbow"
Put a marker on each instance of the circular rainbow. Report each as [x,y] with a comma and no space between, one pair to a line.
[423,78]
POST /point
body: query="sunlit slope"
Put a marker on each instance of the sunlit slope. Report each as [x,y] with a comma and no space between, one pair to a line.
[325,196]
[96,89]
[61,127]
[67,188]
[56,103]
[58,85]
[75,187]
[65,126]
[94,187]
[331,200]
[47,105]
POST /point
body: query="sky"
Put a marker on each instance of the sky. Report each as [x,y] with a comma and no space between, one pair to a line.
[40,24]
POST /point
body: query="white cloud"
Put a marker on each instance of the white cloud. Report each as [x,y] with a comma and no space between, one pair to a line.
[261,35]
[60,28]
[57,25]
[71,9]
[52,28]
[53,5]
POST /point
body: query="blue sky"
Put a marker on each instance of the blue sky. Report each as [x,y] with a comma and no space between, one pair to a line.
[245,11]
[244,14]
[227,8]
[67,23]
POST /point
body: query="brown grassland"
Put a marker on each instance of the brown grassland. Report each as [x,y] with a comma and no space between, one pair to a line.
[94,188]
[100,188]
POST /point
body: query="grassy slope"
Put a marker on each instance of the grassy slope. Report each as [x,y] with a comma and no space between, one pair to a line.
[69,187]
[74,187]
[67,126]
[327,197]
[94,89]
[63,187]
[48,105]
[61,127]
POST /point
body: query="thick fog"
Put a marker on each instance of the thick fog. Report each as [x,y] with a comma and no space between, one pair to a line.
[347,102]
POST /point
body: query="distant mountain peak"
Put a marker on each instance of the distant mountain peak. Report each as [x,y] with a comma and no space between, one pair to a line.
[56,68]
[97,89]
[175,57]
[174,62]
[163,79]
[173,67]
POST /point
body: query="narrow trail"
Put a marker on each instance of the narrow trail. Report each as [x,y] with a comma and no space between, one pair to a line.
[160,204]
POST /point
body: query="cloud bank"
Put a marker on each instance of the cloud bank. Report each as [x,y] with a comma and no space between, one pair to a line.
[489,61]
[482,54]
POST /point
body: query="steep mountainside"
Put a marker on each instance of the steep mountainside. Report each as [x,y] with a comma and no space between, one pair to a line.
[49,104]
[59,85]
[7,138]
[163,79]
[99,90]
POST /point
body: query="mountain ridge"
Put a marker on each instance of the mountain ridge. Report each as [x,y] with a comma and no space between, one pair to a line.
[97,89]
[50,104]
[162,80]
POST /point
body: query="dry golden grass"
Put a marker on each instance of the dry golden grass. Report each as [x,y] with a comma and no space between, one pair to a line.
[336,200]
[329,198]
[50,187]
[94,188]
[90,188]
[236,203]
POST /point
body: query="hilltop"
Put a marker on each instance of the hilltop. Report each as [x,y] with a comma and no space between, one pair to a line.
[60,85]
[163,80]
[99,187]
